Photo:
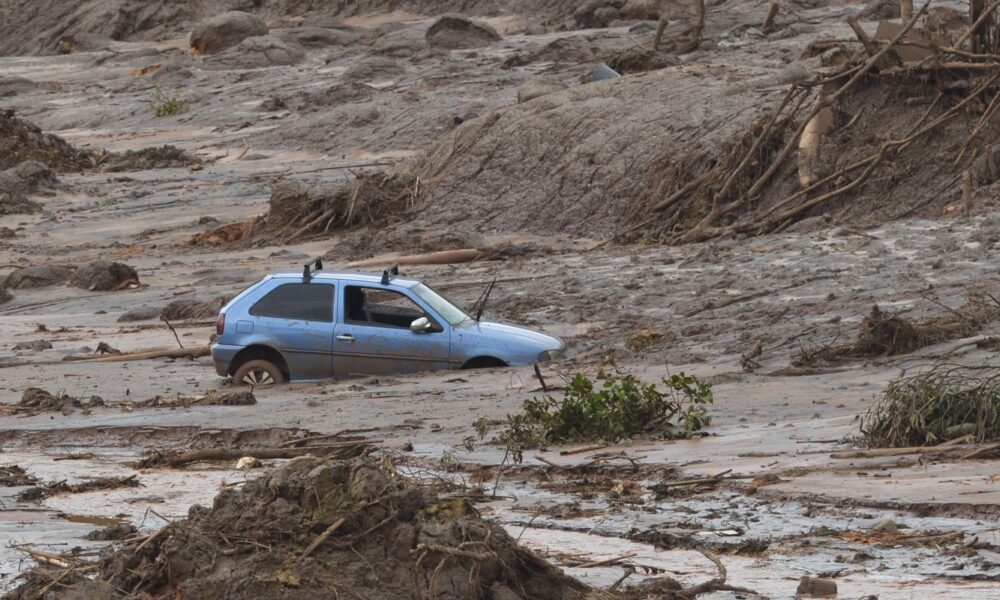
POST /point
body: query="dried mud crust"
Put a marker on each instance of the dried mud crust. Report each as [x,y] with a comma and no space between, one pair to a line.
[316,528]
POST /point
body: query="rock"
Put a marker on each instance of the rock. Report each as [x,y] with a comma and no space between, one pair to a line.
[598,13]
[400,44]
[38,276]
[225,30]
[374,69]
[535,88]
[453,32]
[641,10]
[5,296]
[112,533]
[182,310]
[6,233]
[147,313]
[261,51]
[886,526]
[34,345]
[104,276]
[814,587]
[17,183]
[322,36]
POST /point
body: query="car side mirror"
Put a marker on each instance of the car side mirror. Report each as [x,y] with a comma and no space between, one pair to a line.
[422,325]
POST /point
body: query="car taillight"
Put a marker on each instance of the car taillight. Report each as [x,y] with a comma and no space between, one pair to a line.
[220,324]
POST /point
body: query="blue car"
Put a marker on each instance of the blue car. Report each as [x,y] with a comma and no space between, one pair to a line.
[318,325]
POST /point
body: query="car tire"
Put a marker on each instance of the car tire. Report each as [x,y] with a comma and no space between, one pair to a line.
[258,373]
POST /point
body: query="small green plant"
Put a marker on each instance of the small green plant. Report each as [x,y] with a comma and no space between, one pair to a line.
[610,408]
[163,105]
[447,459]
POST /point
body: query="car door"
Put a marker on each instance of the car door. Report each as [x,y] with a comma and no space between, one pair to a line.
[297,319]
[373,335]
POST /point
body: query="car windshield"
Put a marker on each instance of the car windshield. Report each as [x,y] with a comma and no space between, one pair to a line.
[440,304]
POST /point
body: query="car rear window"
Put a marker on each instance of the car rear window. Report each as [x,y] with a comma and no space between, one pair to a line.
[299,301]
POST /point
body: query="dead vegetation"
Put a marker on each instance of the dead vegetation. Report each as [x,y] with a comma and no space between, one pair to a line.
[882,333]
[942,404]
[35,401]
[297,210]
[314,528]
[859,130]
[41,492]
[22,141]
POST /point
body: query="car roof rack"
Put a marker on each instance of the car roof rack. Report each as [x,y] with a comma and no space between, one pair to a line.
[389,273]
[306,274]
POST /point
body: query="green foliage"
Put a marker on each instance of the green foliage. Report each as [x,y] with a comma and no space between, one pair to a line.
[934,406]
[163,105]
[611,408]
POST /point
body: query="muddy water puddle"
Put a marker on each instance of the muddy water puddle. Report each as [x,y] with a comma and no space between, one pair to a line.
[61,522]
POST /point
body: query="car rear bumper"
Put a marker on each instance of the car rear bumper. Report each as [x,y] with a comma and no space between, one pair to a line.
[222,356]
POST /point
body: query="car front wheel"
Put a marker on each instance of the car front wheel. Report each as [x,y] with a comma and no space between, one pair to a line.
[258,373]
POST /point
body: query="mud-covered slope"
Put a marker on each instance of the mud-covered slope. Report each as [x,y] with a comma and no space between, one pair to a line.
[580,160]
[29,27]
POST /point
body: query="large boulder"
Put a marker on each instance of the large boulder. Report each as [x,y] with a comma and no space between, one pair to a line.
[453,32]
[104,276]
[225,30]
[38,276]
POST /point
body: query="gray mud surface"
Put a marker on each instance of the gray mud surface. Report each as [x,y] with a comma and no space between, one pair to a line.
[496,145]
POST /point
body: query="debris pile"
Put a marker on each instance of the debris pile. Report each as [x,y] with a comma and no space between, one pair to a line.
[941,404]
[212,398]
[886,334]
[36,400]
[22,141]
[161,157]
[105,276]
[15,476]
[315,528]
[41,492]
[297,210]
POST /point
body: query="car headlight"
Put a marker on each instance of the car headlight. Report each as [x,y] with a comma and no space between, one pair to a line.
[547,355]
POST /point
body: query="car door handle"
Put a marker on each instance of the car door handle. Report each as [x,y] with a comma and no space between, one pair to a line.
[345,338]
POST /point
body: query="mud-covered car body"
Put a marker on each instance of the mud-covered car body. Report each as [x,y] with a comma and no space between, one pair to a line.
[342,324]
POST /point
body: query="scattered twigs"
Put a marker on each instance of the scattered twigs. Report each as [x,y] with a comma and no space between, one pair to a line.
[323,537]
[173,331]
[717,584]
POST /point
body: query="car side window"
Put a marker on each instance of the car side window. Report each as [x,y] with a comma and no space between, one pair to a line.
[379,308]
[298,301]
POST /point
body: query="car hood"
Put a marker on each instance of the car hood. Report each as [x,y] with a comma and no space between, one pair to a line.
[511,332]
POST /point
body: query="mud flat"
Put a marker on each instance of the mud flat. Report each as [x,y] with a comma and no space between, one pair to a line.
[173,163]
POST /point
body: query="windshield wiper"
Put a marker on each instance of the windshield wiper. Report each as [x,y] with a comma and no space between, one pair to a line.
[480,304]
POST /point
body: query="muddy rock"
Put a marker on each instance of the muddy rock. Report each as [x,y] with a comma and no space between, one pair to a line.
[454,32]
[35,400]
[38,276]
[112,533]
[147,313]
[161,157]
[598,13]
[813,587]
[23,141]
[226,30]
[641,10]
[20,182]
[104,276]
[34,345]
[403,43]
[537,88]
[5,296]
[6,233]
[183,310]
[317,37]
[260,51]
[374,69]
